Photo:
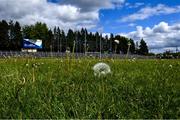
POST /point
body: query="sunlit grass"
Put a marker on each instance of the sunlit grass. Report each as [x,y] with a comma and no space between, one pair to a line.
[67,88]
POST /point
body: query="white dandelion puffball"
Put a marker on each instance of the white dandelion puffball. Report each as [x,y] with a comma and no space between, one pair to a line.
[101,69]
[170,66]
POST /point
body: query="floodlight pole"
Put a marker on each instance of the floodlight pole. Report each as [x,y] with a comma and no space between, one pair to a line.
[60,43]
[85,44]
[111,47]
[100,46]
[129,45]
[76,45]
[51,49]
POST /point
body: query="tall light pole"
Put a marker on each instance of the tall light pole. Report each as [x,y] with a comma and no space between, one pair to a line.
[60,41]
[116,45]
[177,49]
[111,45]
[76,45]
[85,44]
[129,45]
[100,31]
[100,45]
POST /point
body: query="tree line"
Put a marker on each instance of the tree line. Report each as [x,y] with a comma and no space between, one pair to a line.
[56,40]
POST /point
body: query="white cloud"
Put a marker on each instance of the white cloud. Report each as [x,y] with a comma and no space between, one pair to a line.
[160,36]
[66,14]
[161,28]
[147,12]
[135,5]
[106,34]
[88,5]
[131,24]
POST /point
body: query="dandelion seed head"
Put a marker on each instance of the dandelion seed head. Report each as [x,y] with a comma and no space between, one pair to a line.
[133,60]
[112,60]
[68,51]
[103,73]
[80,61]
[101,69]
[91,55]
[35,65]
[170,66]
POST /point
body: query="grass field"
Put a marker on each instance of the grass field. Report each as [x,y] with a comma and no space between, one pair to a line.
[67,88]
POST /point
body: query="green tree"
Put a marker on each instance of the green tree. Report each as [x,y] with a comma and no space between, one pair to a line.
[105,43]
[97,37]
[132,47]
[70,39]
[27,31]
[59,39]
[49,42]
[18,36]
[37,31]
[91,45]
[4,35]
[11,35]
[123,44]
[64,40]
[40,31]
[111,46]
[79,42]
[82,39]
[55,40]
[11,39]
[143,48]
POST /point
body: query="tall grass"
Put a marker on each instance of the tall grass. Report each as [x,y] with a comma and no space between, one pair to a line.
[67,88]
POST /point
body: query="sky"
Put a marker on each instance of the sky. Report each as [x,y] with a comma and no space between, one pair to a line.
[156,21]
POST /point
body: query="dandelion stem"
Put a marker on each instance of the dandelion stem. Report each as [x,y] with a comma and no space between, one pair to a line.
[33,75]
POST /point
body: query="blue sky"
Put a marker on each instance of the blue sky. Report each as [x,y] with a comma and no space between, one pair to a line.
[156,21]
[110,19]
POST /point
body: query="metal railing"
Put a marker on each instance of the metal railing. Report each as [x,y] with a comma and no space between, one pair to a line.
[7,54]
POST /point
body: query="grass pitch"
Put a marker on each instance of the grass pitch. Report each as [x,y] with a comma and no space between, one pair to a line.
[67,88]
